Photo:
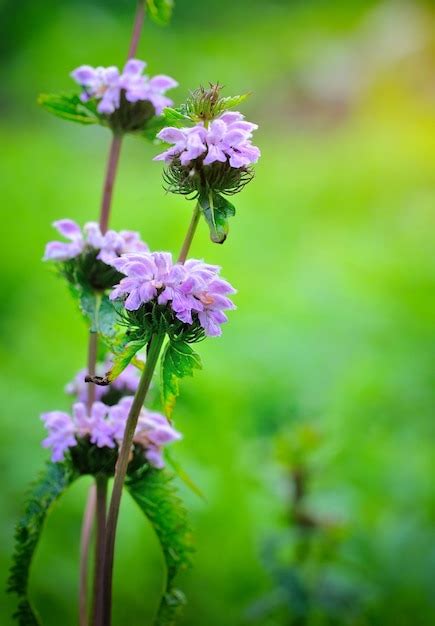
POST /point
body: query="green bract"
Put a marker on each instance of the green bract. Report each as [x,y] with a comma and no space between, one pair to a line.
[203,105]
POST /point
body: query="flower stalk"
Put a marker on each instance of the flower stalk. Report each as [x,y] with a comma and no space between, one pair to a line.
[109,181]
[101,500]
[85,540]
[137,29]
[155,346]
[190,234]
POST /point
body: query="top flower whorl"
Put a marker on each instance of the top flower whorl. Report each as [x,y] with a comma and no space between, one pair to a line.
[226,139]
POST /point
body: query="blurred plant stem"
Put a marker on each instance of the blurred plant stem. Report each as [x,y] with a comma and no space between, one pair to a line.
[101,485]
[154,348]
[109,181]
[101,491]
[137,28]
[85,539]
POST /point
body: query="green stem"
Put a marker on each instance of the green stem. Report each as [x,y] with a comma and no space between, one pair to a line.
[155,346]
[190,234]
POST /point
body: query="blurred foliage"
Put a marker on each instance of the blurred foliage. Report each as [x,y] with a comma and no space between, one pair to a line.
[332,255]
[310,584]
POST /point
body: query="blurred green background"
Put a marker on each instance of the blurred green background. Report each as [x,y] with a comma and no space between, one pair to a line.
[332,255]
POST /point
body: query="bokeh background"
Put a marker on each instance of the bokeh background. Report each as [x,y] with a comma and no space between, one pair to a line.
[310,429]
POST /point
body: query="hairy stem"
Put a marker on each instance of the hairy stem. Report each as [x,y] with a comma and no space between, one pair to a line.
[137,28]
[121,469]
[100,539]
[190,234]
[85,540]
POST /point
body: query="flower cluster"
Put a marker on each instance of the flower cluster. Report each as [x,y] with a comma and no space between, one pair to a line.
[107,84]
[124,385]
[226,139]
[104,426]
[109,246]
[194,291]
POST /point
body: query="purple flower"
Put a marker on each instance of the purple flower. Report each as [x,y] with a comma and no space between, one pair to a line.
[145,274]
[61,433]
[110,245]
[194,288]
[105,426]
[106,83]
[59,251]
[226,139]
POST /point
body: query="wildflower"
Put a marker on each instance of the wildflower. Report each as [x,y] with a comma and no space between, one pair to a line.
[108,85]
[109,246]
[227,139]
[194,291]
[103,426]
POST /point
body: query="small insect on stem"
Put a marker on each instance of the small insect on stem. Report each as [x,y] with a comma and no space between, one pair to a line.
[103,381]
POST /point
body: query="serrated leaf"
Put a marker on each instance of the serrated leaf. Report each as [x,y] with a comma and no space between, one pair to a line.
[155,494]
[70,107]
[160,11]
[45,491]
[216,210]
[178,360]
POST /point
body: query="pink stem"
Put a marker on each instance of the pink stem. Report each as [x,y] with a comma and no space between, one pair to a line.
[85,539]
[112,166]
[137,28]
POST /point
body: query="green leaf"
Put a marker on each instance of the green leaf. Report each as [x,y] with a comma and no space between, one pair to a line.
[160,11]
[89,302]
[216,210]
[178,360]
[232,101]
[154,492]
[122,358]
[99,310]
[71,108]
[107,317]
[175,117]
[45,491]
